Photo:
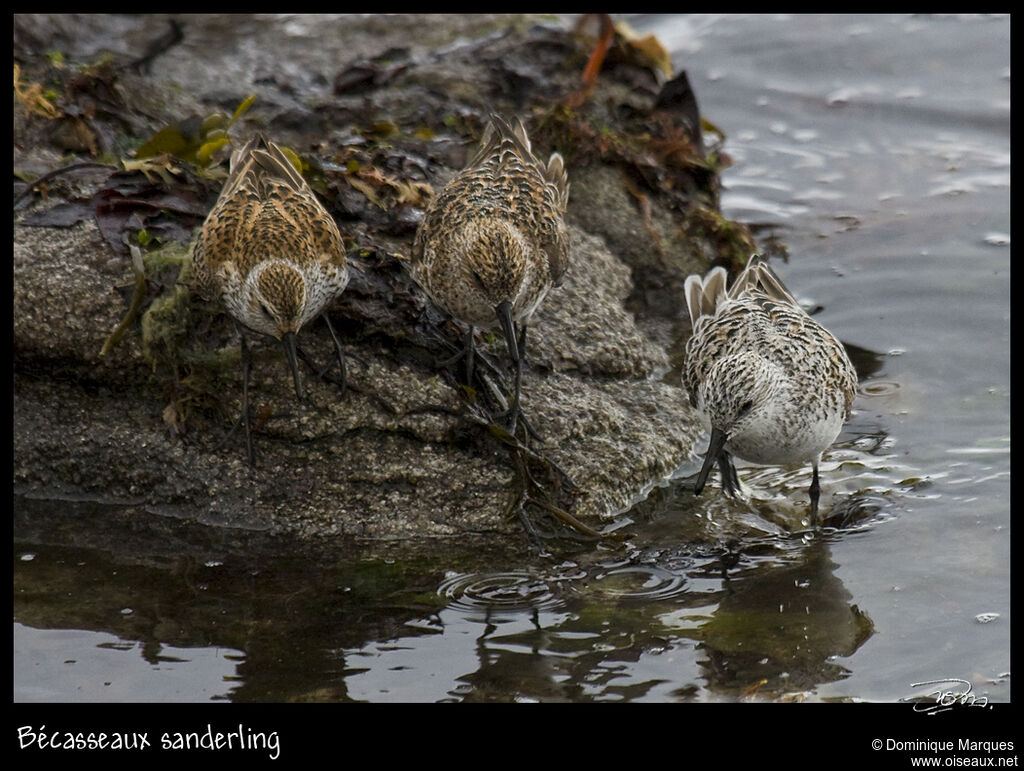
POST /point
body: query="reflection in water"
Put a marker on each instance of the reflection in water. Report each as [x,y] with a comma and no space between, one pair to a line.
[289,613]
[777,630]
[104,668]
[867,363]
[772,625]
[699,621]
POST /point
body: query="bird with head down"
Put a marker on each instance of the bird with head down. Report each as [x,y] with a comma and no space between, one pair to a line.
[271,254]
[494,242]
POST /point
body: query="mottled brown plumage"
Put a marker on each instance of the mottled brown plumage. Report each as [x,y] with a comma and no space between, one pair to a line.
[770,383]
[269,251]
[494,241]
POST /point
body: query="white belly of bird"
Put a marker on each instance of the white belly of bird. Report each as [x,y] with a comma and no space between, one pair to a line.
[783,441]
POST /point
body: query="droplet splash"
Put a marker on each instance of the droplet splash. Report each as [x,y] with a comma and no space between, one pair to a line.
[638,582]
[515,591]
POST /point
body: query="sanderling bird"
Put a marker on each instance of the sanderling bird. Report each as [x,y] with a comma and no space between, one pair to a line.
[770,383]
[494,242]
[271,253]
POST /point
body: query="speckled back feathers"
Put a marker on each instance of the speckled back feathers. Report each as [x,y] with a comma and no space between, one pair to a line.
[754,345]
[268,248]
[496,231]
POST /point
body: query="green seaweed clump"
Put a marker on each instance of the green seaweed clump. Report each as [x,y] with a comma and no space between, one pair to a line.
[189,376]
[731,241]
[195,139]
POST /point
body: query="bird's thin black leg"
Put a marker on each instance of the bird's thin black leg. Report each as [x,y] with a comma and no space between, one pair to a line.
[514,409]
[470,355]
[730,480]
[460,352]
[522,416]
[246,367]
[341,353]
[815,492]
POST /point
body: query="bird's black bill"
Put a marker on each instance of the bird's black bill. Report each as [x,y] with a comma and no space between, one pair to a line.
[715,446]
[289,346]
[508,328]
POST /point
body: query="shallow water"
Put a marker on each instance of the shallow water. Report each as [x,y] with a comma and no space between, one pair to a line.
[877,150]
[884,168]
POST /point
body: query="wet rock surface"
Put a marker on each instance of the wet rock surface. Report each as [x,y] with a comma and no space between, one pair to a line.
[384,109]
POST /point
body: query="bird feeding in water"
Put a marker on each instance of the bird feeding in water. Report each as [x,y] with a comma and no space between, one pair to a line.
[770,383]
[271,254]
[494,242]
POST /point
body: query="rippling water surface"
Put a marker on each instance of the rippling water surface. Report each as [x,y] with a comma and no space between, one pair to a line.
[877,150]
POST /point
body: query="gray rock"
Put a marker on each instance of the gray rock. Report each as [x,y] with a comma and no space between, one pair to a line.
[395,460]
